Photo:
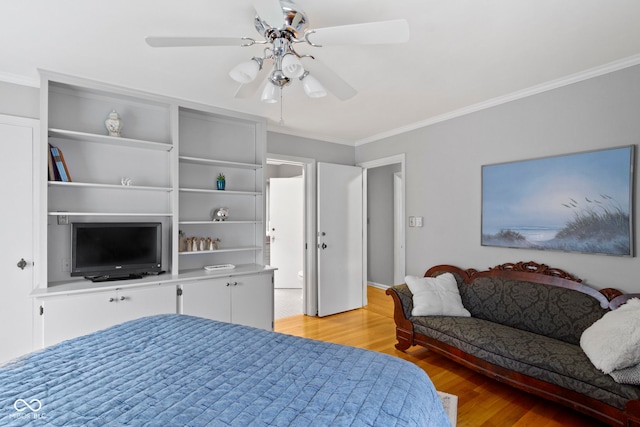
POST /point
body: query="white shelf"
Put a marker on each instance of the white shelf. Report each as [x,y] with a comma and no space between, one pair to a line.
[244,249]
[63,213]
[63,184]
[209,222]
[220,192]
[110,140]
[223,163]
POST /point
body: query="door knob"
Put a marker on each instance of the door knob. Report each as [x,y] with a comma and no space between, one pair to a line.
[22,264]
[324,246]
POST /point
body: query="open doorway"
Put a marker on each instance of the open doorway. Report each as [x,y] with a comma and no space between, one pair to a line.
[384,221]
[289,233]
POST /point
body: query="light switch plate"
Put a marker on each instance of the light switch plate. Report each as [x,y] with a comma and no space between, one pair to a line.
[412,221]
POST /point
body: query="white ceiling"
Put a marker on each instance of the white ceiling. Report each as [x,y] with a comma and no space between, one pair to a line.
[462,54]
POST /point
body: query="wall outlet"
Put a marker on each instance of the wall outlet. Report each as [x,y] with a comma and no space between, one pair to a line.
[412,221]
[63,219]
[418,221]
[66,265]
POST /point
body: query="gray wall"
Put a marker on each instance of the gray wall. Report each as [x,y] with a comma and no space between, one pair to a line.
[380,229]
[443,166]
[283,171]
[17,100]
[279,143]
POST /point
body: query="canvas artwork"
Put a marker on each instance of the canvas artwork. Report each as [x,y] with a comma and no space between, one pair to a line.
[578,203]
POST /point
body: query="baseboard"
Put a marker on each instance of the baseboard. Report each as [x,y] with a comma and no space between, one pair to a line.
[378,285]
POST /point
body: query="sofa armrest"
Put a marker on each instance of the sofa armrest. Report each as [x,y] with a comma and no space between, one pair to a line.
[632,411]
[402,306]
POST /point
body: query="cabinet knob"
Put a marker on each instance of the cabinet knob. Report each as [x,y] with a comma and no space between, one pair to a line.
[122,298]
[22,264]
[112,299]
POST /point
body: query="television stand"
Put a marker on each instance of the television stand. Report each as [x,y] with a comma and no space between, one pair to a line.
[110,277]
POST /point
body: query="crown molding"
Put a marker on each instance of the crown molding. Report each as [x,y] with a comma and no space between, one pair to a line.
[534,90]
[19,80]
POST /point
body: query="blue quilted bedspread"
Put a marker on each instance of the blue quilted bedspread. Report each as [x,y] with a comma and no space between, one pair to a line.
[176,370]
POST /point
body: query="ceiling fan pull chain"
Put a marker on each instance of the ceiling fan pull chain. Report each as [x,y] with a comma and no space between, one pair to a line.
[281,122]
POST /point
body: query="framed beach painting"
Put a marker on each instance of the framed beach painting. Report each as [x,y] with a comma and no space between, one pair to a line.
[580,202]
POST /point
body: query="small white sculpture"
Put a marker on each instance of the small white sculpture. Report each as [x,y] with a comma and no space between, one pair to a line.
[182,241]
[126,181]
[216,243]
[220,214]
[114,124]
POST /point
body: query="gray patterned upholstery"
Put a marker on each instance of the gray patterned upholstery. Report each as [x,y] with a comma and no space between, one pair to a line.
[543,309]
[526,327]
[541,357]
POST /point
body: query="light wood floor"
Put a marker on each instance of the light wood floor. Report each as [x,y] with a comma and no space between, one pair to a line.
[481,401]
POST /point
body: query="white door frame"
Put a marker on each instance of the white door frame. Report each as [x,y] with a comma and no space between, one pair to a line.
[397,159]
[309,268]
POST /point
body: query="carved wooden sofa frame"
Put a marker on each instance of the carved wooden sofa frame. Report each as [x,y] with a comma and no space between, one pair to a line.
[531,272]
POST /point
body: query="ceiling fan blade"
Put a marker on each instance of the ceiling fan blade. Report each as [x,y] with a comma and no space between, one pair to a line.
[270,11]
[193,41]
[329,79]
[383,32]
[248,90]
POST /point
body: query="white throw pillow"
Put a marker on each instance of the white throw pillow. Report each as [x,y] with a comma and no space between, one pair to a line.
[436,296]
[613,341]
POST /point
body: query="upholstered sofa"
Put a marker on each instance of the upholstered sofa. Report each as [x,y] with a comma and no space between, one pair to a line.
[524,329]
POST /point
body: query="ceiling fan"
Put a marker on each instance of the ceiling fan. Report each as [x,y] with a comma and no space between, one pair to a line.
[283,24]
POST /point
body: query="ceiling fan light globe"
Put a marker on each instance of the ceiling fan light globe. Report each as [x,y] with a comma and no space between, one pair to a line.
[245,72]
[270,93]
[292,67]
[313,88]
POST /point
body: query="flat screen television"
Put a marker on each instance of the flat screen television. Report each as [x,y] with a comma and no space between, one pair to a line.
[116,250]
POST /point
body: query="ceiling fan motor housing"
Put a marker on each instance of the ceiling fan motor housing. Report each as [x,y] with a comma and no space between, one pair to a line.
[294,21]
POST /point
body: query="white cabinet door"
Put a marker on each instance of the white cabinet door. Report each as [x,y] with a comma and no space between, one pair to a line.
[16,228]
[252,301]
[245,300]
[208,298]
[69,316]
[135,303]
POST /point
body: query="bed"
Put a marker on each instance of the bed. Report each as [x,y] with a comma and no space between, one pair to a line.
[177,370]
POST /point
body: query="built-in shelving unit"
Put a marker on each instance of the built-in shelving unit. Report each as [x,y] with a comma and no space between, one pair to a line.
[213,144]
[163,168]
[171,152]
[85,137]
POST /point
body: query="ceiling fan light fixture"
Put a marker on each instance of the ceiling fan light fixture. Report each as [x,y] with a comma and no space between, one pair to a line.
[270,93]
[246,72]
[312,87]
[291,66]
